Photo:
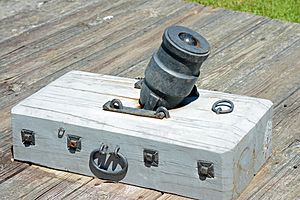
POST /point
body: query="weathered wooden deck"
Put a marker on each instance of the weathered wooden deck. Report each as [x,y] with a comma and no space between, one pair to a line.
[251,55]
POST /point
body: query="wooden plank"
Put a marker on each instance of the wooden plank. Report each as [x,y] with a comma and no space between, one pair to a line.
[15,101]
[10,8]
[33,182]
[101,88]
[42,181]
[171,197]
[5,138]
[215,28]
[280,179]
[8,168]
[233,69]
[77,97]
[287,61]
[16,87]
[61,39]
[271,181]
[35,69]
[6,113]
[57,25]
[108,190]
[8,89]
[283,167]
[241,86]
[44,13]
[6,116]
[245,59]
[287,58]
[84,20]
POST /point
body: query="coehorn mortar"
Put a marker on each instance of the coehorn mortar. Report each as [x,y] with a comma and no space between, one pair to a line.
[174,69]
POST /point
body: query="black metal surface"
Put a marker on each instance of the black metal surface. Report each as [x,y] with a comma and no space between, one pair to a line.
[205,169]
[28,137]
[100,160]
[61,132]
[138,84]
[218,106]
[174,69]
[116,105]
[150,158]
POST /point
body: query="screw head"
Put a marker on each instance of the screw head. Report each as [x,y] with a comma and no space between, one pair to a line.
[149,157]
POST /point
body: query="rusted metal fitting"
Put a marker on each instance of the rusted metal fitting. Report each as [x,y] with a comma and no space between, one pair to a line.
[73,143]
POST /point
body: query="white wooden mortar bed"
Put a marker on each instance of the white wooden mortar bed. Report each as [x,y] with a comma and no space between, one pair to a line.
[237,143]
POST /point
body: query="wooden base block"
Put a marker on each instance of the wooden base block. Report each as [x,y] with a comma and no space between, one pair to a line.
[236,144]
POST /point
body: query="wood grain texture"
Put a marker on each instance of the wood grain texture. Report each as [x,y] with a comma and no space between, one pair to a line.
[97,189]
[87,92]
[36,181]
[193,132]
[279,179]
[9,8]
[45,12]
[251,55]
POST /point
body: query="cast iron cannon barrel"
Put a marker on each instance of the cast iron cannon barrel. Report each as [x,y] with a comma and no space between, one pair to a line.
[174,69]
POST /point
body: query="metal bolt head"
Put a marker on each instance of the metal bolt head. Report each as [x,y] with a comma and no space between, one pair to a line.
[204,170]
[149,157]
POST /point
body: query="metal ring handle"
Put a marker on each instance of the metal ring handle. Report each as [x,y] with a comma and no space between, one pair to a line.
[163,110]
[116,103]
[217,106]
[100,171]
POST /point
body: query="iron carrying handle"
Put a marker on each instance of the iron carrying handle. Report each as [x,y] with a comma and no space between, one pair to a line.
[100,169]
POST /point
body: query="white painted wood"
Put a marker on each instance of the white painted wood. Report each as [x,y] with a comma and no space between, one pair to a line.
[237,143]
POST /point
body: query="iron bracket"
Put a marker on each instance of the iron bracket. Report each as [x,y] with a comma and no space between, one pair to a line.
[73,143]
[27,137]
[150,158]
[116,105]
[205,169]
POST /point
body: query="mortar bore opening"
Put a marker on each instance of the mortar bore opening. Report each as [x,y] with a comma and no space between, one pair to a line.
[189,39]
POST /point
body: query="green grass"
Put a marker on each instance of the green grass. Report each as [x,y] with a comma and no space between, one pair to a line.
[288,10]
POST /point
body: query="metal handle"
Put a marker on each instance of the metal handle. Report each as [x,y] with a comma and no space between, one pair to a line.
[217,106]
[100,169]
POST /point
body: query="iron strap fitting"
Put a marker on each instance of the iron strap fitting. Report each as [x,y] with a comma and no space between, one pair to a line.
[116,105]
